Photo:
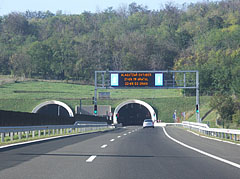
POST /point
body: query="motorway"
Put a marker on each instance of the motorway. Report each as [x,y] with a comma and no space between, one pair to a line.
[125,153]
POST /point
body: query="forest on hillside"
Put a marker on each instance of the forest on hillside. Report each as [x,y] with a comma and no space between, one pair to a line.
[203,36]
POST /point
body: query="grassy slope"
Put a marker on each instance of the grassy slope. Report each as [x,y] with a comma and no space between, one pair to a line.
[24,96]
[211,117]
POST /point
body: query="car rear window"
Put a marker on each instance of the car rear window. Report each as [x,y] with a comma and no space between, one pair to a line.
[147,120]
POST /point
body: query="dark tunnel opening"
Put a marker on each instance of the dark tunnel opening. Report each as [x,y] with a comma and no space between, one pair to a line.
[53,110]
[133,114]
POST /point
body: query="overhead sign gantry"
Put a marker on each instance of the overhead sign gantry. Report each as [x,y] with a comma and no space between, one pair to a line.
[167,79]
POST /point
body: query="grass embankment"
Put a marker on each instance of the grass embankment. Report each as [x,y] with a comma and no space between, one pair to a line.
[24,96]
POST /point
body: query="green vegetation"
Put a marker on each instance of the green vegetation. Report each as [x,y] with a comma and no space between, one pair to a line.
[203,36]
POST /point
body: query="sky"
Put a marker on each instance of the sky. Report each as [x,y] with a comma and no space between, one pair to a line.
[79,6]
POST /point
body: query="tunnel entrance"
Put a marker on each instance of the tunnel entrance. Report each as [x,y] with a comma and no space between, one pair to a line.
[53,110]
[133,114]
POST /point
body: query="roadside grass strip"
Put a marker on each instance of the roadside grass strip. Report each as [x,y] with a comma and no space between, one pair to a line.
[202,152]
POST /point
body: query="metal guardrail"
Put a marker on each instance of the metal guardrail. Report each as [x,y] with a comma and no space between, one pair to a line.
[231,134]
[34,131]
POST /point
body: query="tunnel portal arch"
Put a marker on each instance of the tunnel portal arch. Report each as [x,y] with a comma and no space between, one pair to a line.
[38,107]
[150,109]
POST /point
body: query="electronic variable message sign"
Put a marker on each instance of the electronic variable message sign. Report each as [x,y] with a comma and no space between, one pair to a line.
[137,79]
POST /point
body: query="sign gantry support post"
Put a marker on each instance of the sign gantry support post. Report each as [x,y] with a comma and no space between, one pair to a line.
[197,97]
[95,91]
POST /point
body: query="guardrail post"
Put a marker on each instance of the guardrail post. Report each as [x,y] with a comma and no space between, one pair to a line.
[44,132]
[33,134]
[235,137]
[19,135]
[11,136]
[39,133]
[26,134]
[2,137]
[61,131]
[53,132]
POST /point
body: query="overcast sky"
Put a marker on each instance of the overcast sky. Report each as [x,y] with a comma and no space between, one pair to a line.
[78,6]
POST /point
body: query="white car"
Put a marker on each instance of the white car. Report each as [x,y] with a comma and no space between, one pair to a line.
[148,123]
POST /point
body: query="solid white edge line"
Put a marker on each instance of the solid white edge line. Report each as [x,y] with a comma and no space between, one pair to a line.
[202,152]
[90,159]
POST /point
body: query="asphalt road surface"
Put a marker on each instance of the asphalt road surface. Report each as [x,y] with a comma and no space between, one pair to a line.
[126,153]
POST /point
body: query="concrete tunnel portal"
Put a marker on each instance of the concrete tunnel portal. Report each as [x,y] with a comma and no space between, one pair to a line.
[54,108]
[133,112]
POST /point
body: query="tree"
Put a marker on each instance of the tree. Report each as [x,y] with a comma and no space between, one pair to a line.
[16,23]
[20,63]
[224,105]
[41,58]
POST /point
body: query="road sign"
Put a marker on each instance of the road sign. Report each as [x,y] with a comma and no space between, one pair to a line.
[136,79]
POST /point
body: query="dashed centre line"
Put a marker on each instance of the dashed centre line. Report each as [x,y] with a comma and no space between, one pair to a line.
[104,146]
[90,159]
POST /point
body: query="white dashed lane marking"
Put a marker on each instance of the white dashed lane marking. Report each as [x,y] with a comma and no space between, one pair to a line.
[104,146]
[90,159]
